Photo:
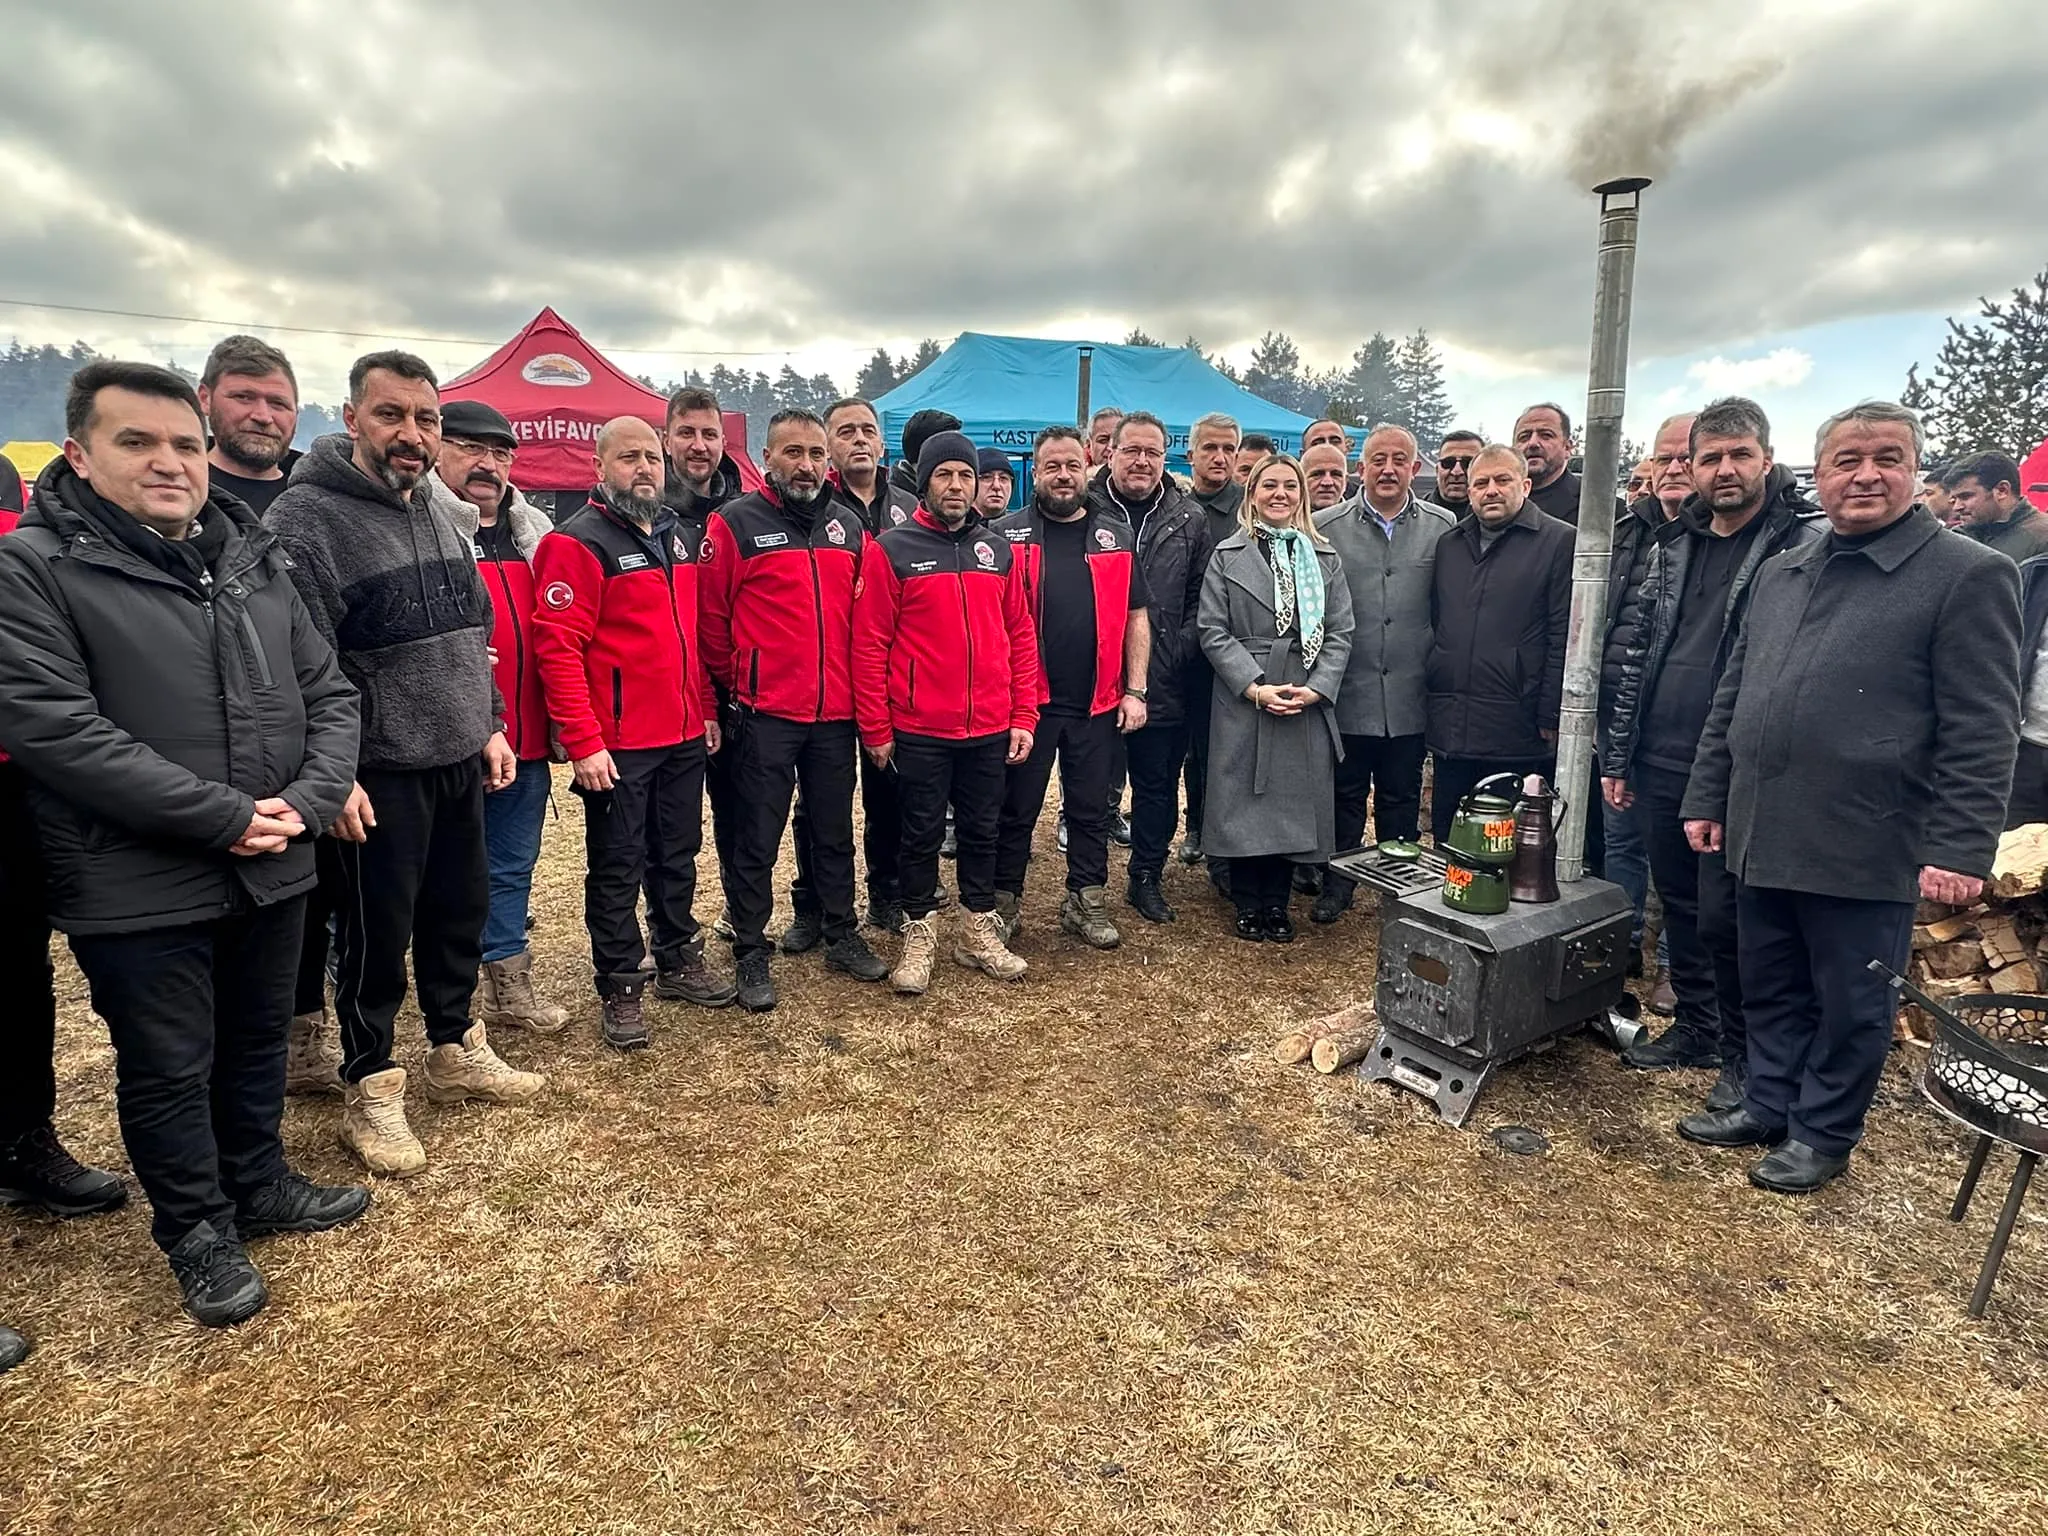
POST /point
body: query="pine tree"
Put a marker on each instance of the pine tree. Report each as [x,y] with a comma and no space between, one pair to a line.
[1274,372]
[1419,375]
[878,377]
[1138,338]
[1989,385]
[926,354]
[1370,390]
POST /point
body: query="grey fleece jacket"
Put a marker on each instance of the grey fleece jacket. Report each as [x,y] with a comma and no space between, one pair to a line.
[394,589]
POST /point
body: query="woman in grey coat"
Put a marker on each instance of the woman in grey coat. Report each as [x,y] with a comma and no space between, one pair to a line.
[1275,624]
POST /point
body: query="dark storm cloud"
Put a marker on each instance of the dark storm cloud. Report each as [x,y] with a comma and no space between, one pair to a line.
[766,176]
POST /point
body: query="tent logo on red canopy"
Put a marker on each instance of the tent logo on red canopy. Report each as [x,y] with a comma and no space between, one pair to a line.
[557,369]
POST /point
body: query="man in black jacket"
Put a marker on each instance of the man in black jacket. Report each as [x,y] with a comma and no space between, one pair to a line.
[1984,489]
[1856,759]
[1173,553]
[1693,596]
[185,730]
[1500,606]
[1212,476]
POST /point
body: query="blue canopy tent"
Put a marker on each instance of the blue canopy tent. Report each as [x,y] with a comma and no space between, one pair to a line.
[1004,388]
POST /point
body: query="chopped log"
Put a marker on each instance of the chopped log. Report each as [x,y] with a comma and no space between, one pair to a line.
[2000,942]
[1333,1052]
[1947,930]
[1945,962]
[2016,978]
[1296,1045]
[1933,911]
[2021,868]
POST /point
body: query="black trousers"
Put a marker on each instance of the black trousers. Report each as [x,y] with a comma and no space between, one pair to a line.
[1085,746]
[28,997]
[968,775]
[1155,754]
[310,996]
[726,810]
[1259,884]
[644,832]
[1820,1022]
[771,760]
[422,880]
[1719,932]
[2029,801]
[881,840]
[198,1016]
[1676,869]
[1387,770]
[1197,693]
[1456,777]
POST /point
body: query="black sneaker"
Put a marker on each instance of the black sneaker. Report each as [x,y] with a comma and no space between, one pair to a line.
[1279,926]
[14,1348]
[804,933]
[1120,829]
[1333,903]
[756,992]
[1685,1044]
[36,1171]
[692,982]
[886,915]
[296,1204]
[852,955]
[221,1286]
[1148,900]
[623,1026]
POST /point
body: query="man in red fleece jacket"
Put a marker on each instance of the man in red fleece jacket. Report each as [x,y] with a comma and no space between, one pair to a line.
[945,688]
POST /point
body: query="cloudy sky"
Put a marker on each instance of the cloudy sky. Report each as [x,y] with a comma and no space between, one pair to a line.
[804,181]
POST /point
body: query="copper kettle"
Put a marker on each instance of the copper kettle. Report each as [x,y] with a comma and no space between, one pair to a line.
[1532,872]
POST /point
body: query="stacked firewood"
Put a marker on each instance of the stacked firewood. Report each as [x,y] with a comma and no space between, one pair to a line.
[1999,945]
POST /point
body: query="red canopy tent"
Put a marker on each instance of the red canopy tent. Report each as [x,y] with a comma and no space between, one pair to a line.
[557,390]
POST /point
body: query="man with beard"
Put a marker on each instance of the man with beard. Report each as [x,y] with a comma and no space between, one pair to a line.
[1212,463]
[1173,547]
[945,686]
[1327,474]
[1854,761]
[617,629]
[1500,608]
[1984,489]
[250,397]
[396,591]
[1387,540]
[1688,620]
[853,437]
[1544,435]
[777,622]
[471,489]
[1453,465]
[1088,604]
[183,727]
[994,484]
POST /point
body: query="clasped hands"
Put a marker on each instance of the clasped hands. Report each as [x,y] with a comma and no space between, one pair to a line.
[1281,698]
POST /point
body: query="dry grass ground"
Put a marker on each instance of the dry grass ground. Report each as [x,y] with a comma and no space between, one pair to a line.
[1068,1256]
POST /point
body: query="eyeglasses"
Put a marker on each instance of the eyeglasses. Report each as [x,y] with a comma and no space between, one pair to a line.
[1453,461]
[497,453]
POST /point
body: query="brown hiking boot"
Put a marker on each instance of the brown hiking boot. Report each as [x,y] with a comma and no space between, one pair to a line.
[373,1125]
[508,997]
[623,1025]
[913,972]
[312,1054]
[472,1070]
[694,982]
[1084,916]
[980,947]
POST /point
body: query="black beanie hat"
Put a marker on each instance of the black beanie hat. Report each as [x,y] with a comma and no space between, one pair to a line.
[994,461]
[919,429]
[476,422]
[942,448]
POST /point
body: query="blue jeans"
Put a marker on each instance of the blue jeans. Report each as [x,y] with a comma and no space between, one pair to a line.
[512,823]
[1628,866]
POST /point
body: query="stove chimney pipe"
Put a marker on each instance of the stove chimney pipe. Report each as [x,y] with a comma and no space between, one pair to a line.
[1081,393]
[1578,778]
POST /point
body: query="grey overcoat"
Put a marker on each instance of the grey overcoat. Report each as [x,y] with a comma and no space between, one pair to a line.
[1271,777]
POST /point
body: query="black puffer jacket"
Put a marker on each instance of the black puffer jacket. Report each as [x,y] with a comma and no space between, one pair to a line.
[1634,534]
[151,717]
[1173,552]
[1789,520]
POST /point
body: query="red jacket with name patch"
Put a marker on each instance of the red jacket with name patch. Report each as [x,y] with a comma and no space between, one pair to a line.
[943,643]
[615,628]
[777,598]
[1112,548]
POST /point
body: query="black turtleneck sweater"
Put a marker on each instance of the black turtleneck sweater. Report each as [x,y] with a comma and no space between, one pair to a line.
[1676,711]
